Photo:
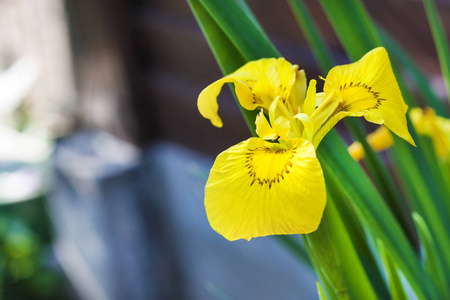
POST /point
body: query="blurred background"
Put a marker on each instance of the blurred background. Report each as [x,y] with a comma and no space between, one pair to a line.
[104,156]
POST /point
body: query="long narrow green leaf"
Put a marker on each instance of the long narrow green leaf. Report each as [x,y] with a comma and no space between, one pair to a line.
[228,57]
[356,278]
[320,291]
[421,81]
[395,285]
[383,179]
[430,256]
[440,41]
[374,213]
[312,35]
[295,247]
[332,9]
[424,199]
[355,31]
[236,24]
[329,289]
[356,232]
[327,260]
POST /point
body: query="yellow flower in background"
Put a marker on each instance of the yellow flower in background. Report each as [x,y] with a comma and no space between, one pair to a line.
[380,140]
[427,123]
[274,184]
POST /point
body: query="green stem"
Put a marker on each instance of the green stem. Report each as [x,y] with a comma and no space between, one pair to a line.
[325,255]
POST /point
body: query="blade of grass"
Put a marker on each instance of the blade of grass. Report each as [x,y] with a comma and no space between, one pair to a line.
[440,41]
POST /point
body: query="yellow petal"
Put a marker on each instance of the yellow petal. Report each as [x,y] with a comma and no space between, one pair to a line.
[366,88]
[207,100]
[282,127]
[257,84]
[356,151]
[257,188]
[263,128]
[381,139]
[298,91]
[310,102]
[308,125]
[319,98]
[437,128]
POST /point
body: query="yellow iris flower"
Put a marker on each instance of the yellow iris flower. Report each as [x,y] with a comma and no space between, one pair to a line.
[427,123]
[274,184]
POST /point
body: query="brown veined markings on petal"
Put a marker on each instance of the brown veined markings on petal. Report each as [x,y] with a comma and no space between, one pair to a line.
[269,165]
[356,98]
[238,210]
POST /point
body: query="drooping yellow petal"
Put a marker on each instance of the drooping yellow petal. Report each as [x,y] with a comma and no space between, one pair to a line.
[257,188]
[257,84]
[366,88]
[207,100]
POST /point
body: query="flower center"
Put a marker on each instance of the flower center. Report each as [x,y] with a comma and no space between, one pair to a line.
[269,164]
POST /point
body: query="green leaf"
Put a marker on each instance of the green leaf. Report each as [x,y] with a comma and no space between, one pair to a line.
[394,282]
[430,256]
[337,163]
[421,81]
[226,54]
[320,291]
[238,26]
[352,25]
[358,238]
[295,247]
[312,35]
[326,260]
[356,278]
[424,199]
[439,40]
